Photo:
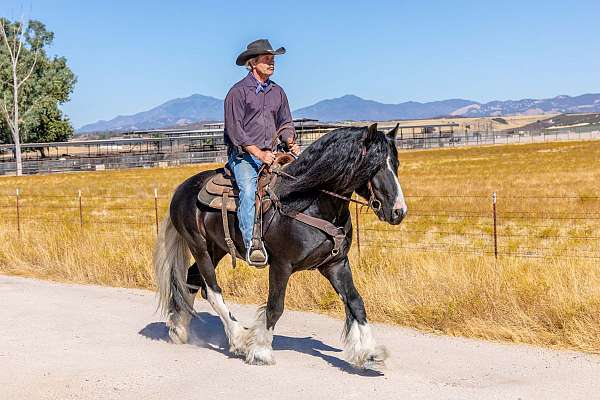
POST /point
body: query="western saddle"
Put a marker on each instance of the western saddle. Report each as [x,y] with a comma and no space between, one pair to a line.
[221,193]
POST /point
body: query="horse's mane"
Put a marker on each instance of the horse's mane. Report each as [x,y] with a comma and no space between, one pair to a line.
[337,162]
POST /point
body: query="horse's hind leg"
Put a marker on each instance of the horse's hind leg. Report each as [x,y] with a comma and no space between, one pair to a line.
[178,320]
[359,344]
[233,329]
[195,281]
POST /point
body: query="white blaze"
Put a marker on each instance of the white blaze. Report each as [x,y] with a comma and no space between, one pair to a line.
[399,202]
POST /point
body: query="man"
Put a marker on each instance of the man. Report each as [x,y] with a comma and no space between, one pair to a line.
[255,108]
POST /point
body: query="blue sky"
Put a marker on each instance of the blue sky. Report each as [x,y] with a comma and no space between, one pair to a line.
[130,56]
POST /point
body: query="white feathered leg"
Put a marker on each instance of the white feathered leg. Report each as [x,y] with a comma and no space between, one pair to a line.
[179,323]
[259,340]
[236,333]
[360,348]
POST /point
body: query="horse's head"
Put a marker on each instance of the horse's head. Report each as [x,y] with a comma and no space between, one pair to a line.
[383,188]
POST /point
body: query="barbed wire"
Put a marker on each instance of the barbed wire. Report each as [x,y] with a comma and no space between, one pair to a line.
[92,212]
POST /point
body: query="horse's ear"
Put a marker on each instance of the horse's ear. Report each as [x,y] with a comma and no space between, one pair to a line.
[392,134]
[371,134]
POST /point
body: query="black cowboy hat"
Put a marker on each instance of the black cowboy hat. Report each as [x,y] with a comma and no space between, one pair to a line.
[256,48]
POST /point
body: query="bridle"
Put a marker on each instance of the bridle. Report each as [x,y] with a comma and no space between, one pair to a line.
[372,202]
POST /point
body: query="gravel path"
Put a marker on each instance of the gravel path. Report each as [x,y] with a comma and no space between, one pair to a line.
[62,341]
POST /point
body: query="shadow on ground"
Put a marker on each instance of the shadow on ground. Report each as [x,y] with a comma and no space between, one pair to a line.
[207,331]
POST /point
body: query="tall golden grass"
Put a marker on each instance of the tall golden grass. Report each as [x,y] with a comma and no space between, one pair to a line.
[435,272]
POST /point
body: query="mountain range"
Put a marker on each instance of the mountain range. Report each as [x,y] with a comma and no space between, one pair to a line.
[195,108]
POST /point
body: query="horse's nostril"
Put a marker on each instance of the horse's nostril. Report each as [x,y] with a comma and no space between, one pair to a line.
[397,213]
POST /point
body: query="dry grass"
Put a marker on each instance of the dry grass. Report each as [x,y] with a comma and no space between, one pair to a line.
[429,273]
[479,123]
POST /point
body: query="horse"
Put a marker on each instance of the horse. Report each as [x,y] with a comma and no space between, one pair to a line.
[344,161]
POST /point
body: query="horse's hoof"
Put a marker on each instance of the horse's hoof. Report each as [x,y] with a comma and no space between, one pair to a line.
[370,359]
[238,339]
[376,359]
[178,336]
[260,356]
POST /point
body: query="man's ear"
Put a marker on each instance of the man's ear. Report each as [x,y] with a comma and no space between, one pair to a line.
[392,134]
[371,134]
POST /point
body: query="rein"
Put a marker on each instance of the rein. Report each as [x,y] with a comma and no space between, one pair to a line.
[372,203]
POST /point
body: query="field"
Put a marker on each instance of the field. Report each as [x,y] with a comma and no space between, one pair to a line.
[477,124]
[436,272]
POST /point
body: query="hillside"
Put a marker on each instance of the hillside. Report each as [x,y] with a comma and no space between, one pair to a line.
[181,111]
[196,108]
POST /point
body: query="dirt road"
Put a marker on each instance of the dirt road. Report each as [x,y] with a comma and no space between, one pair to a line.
[62,341]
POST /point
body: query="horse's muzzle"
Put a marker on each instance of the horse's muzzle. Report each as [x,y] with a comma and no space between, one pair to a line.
[398,215]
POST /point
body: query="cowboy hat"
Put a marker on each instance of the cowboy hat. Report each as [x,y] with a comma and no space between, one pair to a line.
[256,48]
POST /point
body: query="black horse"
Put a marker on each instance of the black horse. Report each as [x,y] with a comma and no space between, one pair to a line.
[347,160]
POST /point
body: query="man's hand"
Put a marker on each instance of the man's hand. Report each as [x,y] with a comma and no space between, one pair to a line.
[294,148]
[266,156]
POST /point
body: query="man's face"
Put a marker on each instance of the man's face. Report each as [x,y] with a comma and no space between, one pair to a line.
[265,64]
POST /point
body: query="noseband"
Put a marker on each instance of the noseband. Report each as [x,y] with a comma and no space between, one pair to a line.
[373,203]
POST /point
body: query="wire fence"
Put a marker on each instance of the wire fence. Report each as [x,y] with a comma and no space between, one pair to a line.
[537,227]
[121,153]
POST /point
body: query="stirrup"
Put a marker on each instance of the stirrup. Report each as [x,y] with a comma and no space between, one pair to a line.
[257,255]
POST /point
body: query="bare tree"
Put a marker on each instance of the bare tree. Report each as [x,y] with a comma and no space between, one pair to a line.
[13,46]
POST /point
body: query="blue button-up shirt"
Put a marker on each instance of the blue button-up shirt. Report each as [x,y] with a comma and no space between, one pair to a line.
[254,112]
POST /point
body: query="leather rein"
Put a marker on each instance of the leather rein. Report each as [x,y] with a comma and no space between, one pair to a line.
[372,203]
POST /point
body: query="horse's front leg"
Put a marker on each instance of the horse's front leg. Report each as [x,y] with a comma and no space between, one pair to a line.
[359,345]
[260,336]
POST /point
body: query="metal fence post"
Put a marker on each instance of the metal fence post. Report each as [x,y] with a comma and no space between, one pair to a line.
[156,208]
[80,209]
[495,225]
[357,230]
[18,214]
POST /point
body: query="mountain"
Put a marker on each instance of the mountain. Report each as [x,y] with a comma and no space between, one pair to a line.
[174,112]
[355,108]
[204,108]
[352,107]
[558,104]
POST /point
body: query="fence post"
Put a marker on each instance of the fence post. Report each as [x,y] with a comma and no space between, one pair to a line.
[156,208]
[495,225]
[357,229]
[80,209]
[18,214]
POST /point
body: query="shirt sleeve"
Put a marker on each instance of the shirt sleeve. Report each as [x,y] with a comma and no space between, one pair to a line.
[234,119]
[284,116]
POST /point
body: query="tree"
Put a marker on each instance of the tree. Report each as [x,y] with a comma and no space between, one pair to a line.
[32,86]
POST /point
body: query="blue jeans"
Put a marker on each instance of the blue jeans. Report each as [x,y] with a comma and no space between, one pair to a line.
[245,170]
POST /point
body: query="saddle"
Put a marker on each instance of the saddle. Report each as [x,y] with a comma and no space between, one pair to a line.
[222,193]
[221,190]
[221,185]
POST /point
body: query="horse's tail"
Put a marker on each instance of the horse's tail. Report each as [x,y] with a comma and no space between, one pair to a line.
[171,256]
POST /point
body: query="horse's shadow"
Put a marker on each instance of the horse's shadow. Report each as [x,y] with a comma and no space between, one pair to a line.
[206,330]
